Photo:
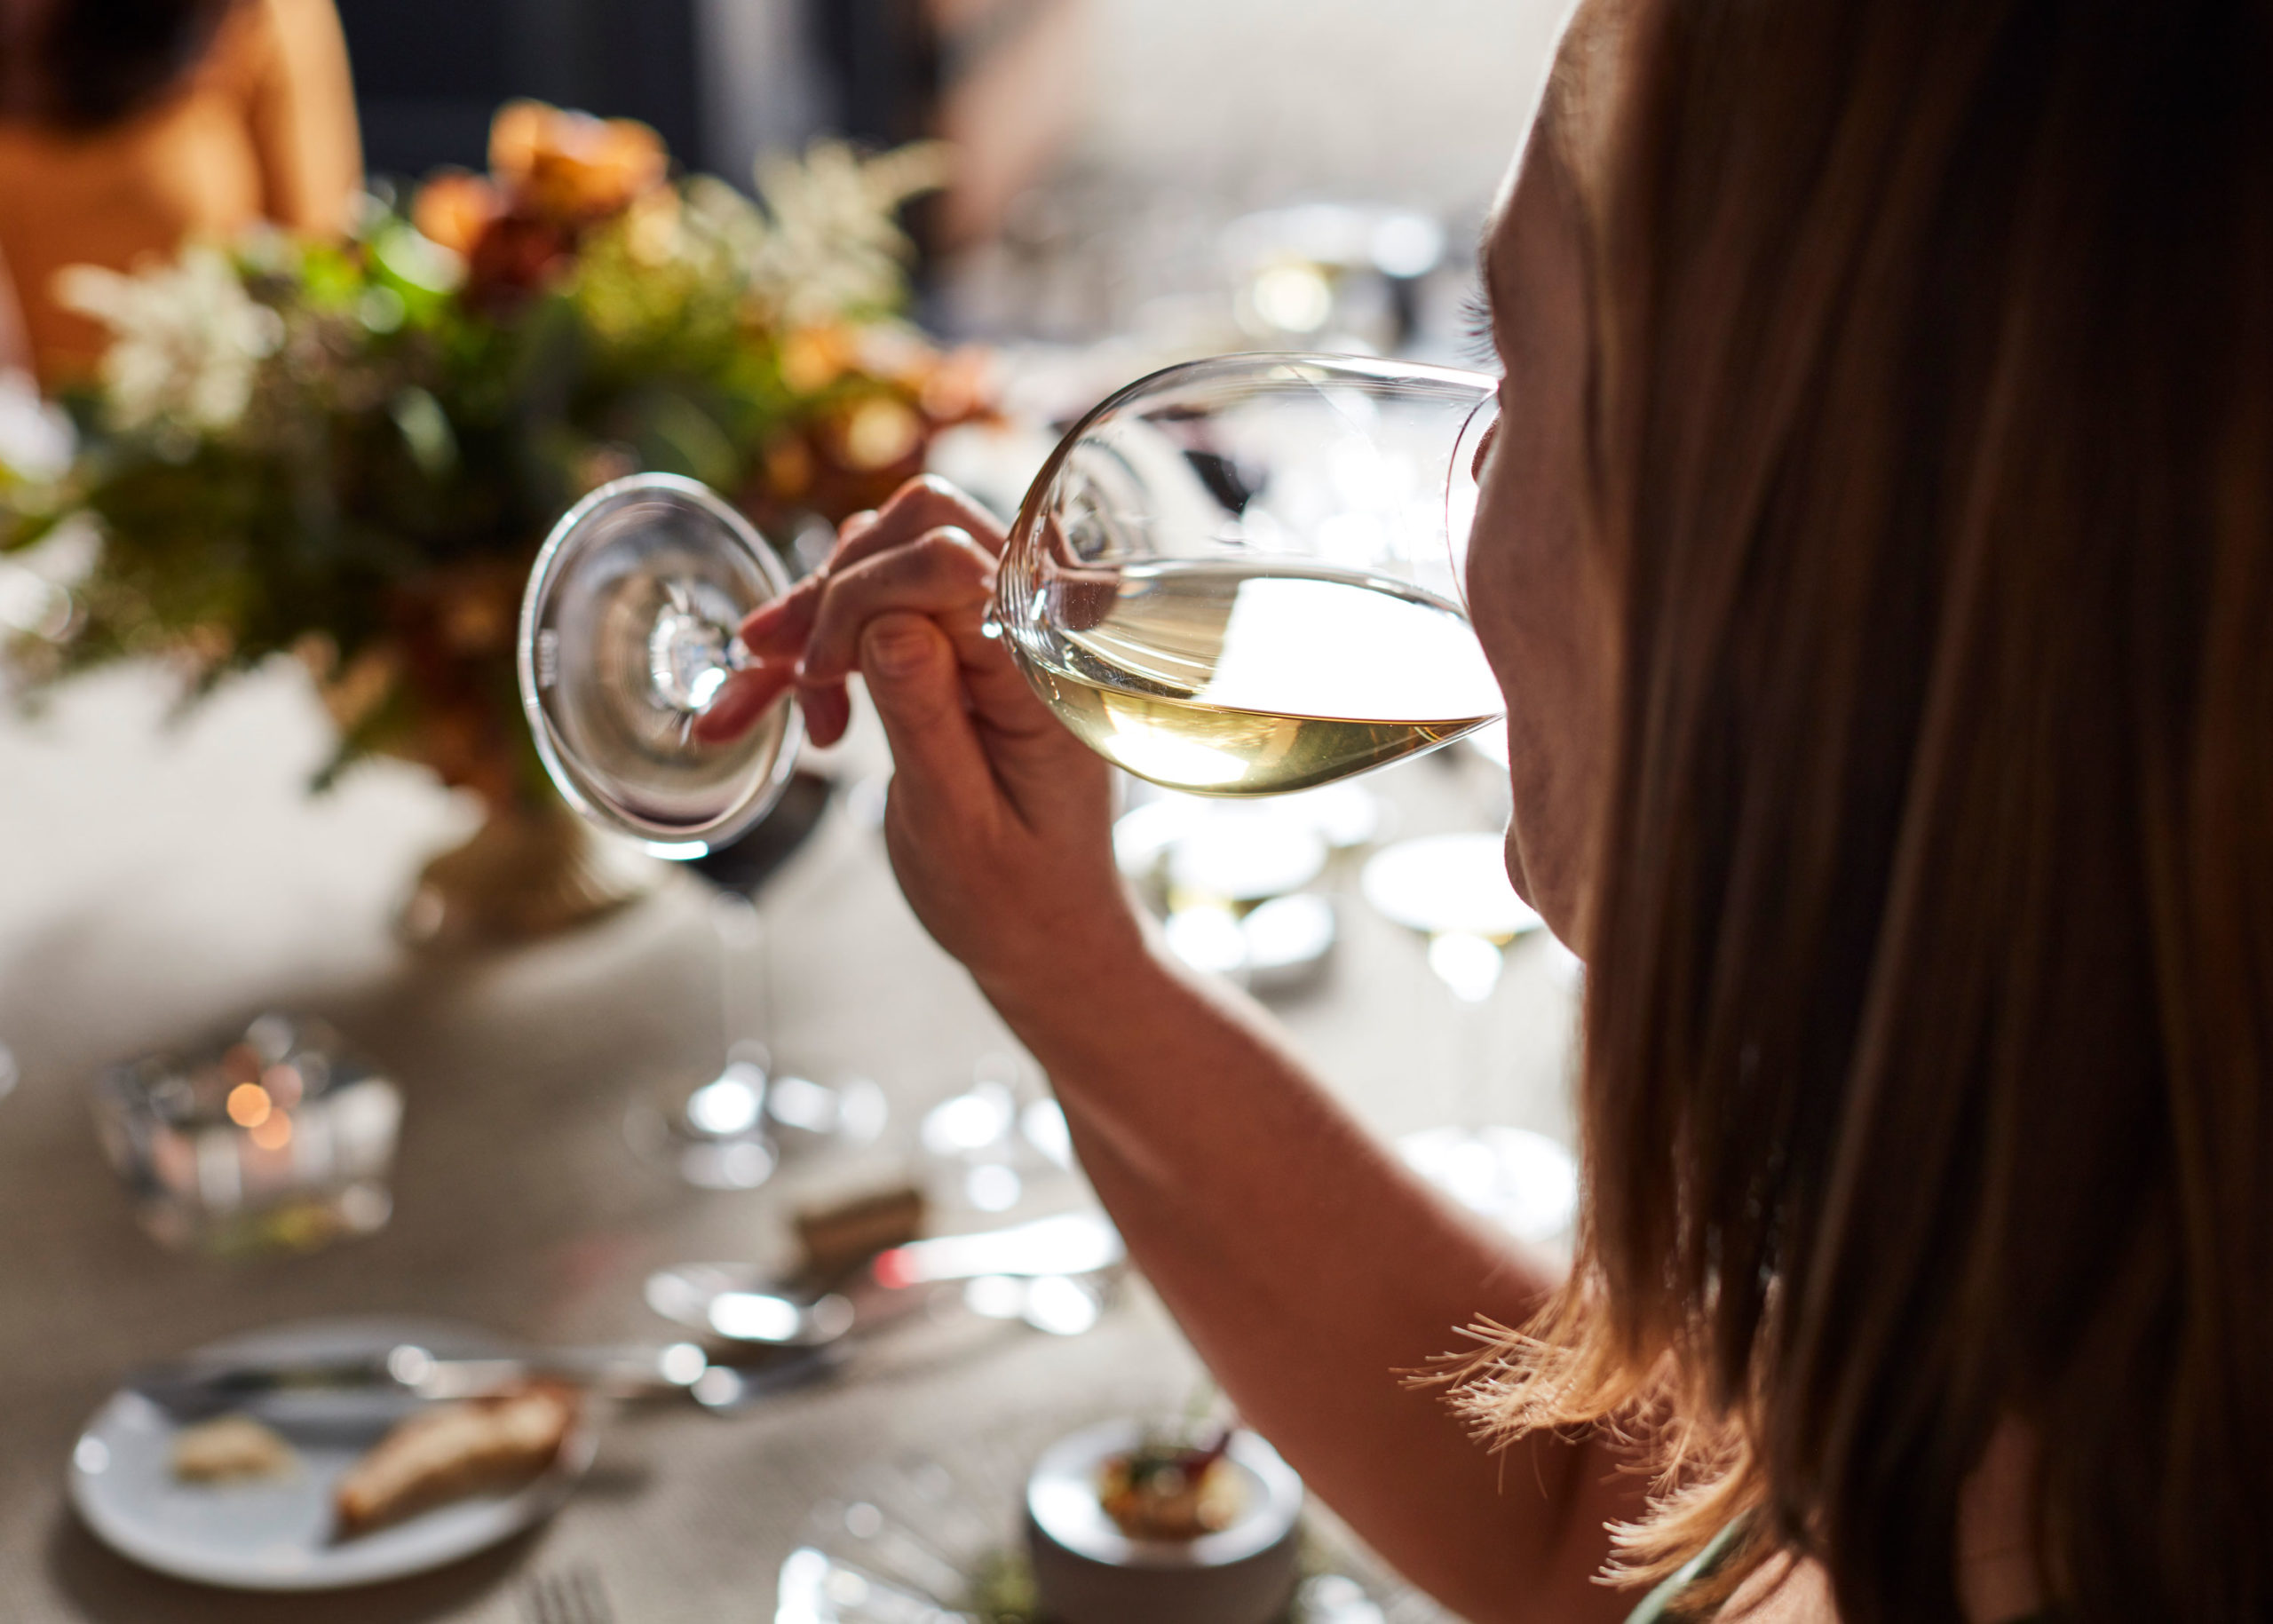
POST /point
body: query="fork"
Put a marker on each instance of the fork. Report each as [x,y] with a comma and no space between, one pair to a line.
[576,1596]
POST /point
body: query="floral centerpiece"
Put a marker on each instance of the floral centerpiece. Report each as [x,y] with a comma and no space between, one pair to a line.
[348,452]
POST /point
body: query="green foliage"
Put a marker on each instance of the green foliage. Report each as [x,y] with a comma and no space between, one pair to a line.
[350,451]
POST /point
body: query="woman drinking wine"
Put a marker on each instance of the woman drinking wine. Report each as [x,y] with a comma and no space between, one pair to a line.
[1876,555]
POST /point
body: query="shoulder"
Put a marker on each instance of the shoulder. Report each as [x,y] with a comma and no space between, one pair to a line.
[1780,1593]
[261,38]
[1798,1594]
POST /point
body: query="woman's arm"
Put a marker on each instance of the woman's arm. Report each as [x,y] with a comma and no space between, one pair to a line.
[1306,1265]
[15,345]
[1309,1267]
[302,115]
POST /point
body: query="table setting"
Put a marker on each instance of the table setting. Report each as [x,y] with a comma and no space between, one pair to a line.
[521,1213]
[521,1209]
[547,1173]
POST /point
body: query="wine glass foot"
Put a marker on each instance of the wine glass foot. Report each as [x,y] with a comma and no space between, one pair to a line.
[1525,1182]
[736,1131]
[806,1117]
[627,635]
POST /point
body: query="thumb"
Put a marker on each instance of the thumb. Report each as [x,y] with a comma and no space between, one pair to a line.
[914,681]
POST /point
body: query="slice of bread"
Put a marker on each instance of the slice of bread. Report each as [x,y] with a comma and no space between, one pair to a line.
[229,1449]
[453,1450]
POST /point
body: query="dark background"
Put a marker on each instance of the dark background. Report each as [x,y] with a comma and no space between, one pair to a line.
[430,73]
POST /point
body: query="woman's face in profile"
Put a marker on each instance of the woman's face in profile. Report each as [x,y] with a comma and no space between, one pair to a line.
[1542,609]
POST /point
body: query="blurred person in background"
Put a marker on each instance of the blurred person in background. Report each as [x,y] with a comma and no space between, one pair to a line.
[127,126]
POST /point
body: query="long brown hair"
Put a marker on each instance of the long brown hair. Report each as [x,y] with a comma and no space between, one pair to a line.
[97,62]
[1928,1075]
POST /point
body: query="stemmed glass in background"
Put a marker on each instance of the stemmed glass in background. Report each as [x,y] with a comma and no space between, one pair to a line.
[1453,890]
[730,1130]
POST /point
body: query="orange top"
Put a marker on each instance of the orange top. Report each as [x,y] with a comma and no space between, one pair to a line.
[263,128]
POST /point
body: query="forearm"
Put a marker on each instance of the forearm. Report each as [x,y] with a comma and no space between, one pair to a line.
[1311,1271]
[1307,1267]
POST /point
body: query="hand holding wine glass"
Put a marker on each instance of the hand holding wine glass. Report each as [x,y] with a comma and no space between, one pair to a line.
[1236,577]
[998,822]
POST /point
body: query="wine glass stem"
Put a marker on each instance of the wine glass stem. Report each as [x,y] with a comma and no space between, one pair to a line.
[1469,966]
[745,971]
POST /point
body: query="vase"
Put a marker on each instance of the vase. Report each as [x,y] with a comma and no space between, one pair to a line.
[531,870]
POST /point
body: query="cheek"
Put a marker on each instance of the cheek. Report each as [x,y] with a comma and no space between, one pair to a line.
[1535,619]
[1496,566]
[1496,592]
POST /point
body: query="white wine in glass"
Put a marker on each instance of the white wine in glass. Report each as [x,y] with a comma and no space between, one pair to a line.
[1220,678]
[1241,576]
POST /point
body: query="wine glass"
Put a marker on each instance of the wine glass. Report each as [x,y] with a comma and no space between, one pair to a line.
[1238,576]
[731,1129]
[628,632]
[1453,890]
[1241,576]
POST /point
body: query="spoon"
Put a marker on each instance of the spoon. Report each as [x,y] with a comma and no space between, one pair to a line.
[737,1301]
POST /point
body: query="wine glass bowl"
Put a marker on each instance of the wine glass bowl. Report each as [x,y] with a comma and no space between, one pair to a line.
[1241,576]
[628,632]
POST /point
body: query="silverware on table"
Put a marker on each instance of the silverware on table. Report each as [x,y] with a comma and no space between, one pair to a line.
[201,1385]
[789,1339]
[574,1596]
[744,1303]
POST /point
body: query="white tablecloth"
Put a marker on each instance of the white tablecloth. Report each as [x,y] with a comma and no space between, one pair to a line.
[158,878]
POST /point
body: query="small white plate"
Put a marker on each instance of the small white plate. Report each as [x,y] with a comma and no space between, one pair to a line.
[276,1534]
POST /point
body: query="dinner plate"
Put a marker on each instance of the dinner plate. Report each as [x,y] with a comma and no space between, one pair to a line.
[276,1533]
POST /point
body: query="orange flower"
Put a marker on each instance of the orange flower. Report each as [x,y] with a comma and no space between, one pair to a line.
[570,168]
[788,468]
[960,387]
[455,209]
[879,432]
[515,257]
[813,358]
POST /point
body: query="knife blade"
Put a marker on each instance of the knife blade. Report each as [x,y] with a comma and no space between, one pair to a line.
[204,1385]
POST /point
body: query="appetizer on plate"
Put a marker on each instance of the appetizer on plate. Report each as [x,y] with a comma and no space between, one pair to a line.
[450,1451]
[231,1449]
[1163,1490]
[1127,1524]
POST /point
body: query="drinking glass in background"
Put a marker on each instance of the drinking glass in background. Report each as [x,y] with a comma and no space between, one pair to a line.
[1338,273]
[1452,891]
[989,1145]
[731,1129]
[277,1139]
